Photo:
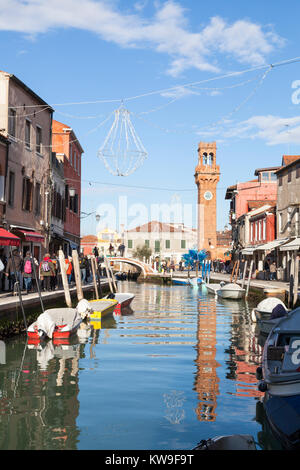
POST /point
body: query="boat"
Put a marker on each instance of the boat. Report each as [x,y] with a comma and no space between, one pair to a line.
[56,324]
[280,369]
[264,309]
[102,308]
[230,442]
[213,288]
[195,281]
[231,291]
[268,313]
[123,299]
[120,276]
[283,416]
[181,281]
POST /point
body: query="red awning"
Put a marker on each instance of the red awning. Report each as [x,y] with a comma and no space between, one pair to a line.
[8,239]
[31,236]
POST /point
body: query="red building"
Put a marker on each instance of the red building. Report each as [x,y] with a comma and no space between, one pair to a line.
[262,225]
[66,146]
[88,243]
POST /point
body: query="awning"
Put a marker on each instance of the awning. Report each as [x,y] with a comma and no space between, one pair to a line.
[292,245]
[272,245]
[30,236]
[248,251]
[8,239]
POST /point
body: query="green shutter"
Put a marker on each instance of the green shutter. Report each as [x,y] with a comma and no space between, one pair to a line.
[129,243]
[183,244]
[157,246]
[168,244]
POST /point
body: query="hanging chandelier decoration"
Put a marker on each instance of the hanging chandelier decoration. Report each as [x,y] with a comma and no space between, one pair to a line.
[122,151]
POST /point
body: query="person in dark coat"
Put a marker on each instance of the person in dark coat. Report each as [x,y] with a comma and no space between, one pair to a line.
[14,263]
[28,272]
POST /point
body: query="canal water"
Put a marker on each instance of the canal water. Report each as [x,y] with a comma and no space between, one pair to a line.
[177,368]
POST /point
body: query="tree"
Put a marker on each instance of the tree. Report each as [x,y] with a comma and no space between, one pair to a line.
[142,252]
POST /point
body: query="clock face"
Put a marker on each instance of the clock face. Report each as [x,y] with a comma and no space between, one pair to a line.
[208,195]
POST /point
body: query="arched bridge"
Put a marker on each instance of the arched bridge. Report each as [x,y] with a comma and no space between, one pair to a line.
[146,268]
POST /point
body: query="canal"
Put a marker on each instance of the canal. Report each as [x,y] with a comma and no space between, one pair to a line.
[179,367]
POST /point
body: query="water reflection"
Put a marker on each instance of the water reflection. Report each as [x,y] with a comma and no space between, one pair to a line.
[177,367]
[206,381]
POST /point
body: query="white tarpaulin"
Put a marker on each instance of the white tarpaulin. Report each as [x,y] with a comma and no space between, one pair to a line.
[292,245]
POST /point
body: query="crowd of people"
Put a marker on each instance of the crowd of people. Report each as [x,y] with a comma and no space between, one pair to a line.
[28,271]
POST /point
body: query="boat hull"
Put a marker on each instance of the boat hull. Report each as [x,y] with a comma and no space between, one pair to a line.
[181,282]
[233,294]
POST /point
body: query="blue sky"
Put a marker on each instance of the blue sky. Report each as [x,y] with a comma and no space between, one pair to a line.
[88,50]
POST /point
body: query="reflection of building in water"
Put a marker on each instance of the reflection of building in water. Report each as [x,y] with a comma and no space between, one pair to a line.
[207,381]
[41,408]
[245,354]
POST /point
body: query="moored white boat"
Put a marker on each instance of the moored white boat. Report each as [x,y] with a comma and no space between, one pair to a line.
[213,288]
[231,291]
[265,308]
[58,323]
[281,358]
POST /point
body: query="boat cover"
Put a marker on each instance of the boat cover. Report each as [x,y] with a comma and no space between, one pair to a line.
[57,316]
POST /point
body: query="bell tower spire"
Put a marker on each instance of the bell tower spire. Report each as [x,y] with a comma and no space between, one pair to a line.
[207,175]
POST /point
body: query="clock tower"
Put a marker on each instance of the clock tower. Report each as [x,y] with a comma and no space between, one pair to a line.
[207,175]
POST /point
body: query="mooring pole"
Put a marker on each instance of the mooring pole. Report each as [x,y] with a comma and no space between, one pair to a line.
[18,286]
[62,263]
[37,282]
[77,275]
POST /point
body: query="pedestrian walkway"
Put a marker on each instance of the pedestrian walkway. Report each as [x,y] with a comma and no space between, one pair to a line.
[9,301]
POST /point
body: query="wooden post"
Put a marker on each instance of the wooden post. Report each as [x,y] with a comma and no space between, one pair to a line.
[108,275]
[94,275]
[244,274]
[296,278]
[233,270]
[63,271]
[77,275]
[237,270]
[249,278]
[113,279]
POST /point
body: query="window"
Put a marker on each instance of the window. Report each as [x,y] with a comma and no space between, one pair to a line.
[130,244]
[280,223]
[147,243]
[273,176]
[37,199]
[157,246]
[27,194]
[298,170]
[168,244]
[38,139]
[289,175]
[265,176]
[280,181]
[67,195]
[183,244]
[12,114]
[11,188]
[264,229]
[27,133]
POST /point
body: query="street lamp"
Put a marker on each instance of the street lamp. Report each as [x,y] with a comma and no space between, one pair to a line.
[84,215]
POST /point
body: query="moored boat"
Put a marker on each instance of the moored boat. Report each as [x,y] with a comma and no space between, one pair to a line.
[281,358]
[58,323]
[231,291]
[123,299]
[265,308]
[181,281]
[213,288]
[230,442]
[102,308]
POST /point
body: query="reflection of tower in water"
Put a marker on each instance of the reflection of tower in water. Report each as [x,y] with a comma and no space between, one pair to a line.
[207,381]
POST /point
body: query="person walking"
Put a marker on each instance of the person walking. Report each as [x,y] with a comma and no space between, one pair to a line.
[267,270]
[121,249]
[47,271]
[15,262]
[69,268]
[273,271]
[111,249]
[53,279]
[28,272]
[83,265]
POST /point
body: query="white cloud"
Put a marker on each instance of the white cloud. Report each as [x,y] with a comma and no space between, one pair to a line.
[273,130]
[167,32]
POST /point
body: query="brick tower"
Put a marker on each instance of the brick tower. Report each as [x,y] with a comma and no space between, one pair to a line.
[207,175]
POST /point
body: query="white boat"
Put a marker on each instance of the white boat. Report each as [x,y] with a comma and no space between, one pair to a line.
[268,313]
[124,299]
[281,358]
[231,442]
[264,309]
[195,281]
[231,291]
[213,288]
